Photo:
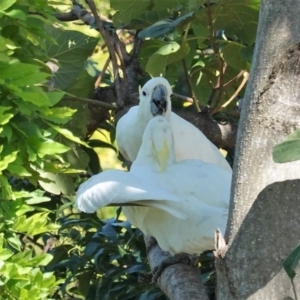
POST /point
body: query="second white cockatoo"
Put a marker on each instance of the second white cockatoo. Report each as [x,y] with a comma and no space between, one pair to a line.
[179,203]
[155,99]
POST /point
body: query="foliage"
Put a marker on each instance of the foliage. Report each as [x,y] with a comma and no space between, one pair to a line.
[291,262]
[288,150]
[35,142]
[197,34]
[46,70]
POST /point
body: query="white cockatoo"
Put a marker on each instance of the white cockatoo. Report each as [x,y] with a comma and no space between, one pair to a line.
[180,203]
[155,98]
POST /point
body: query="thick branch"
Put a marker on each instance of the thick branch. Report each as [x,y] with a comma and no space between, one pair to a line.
[178,281]
[222,135]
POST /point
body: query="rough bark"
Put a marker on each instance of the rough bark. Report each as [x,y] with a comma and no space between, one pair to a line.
[264,223]
[178,281]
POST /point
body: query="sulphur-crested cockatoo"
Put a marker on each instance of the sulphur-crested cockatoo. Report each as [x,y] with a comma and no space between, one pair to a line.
[179,203]
[155,98]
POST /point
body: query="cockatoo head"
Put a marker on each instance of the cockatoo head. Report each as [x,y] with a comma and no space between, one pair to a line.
[155,97]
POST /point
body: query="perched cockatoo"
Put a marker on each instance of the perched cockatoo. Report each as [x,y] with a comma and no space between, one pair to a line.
[155,99]
[180,203]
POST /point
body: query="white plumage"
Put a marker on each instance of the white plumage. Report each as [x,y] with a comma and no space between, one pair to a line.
[190,142]
[184,201]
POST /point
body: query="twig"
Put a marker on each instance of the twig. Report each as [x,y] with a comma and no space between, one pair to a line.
[89,101]
[234,79]
[184,98]
[110,47]
[188,80]
[94,102]
[227,84]
[100,77]
[245,79]
[221,62]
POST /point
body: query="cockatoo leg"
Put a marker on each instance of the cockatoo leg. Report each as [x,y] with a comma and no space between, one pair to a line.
[183,258]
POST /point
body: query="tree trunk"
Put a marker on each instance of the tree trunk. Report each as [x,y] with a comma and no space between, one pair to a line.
[264,221]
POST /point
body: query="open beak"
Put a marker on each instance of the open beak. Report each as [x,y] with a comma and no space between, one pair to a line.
[159,100]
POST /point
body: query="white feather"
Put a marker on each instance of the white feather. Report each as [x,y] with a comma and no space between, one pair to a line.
[190,142]
[184,201]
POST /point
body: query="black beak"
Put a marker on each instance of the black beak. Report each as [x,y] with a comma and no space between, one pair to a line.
[159,100]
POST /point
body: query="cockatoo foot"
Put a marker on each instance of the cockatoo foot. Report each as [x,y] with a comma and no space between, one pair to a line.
[220,244]
[183,258]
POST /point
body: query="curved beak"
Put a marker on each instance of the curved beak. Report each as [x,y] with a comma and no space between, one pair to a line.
[159,100]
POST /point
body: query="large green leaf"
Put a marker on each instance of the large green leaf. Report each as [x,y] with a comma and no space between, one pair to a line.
[57,183]
[157,62]
[288,150]
[238,18]
[68,134]
[127,10]
[46,146]
[70,53]
[5,117]
[291,262]
[233,57]
[7,159]
[5,4]
[164,26]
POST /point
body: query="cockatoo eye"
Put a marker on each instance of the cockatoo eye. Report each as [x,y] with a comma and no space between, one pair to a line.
[144,93]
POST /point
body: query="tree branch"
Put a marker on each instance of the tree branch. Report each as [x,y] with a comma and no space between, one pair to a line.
[245,79]
[183,98]
[222,135]
[100,77]
[171,279]
[222,64]
[110,46]
[188,80]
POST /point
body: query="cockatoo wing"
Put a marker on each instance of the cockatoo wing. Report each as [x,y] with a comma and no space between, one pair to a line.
[195,234]
[119,187]
[128,142]
[191,143]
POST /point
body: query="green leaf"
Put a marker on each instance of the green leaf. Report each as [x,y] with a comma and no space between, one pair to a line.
[5,117]
[34,95]
[164,26]
[5,4]
[237,18]
[33,225]
[18,170]
[128,9]
[70,53]
[30,79]
[5,254]
[18,70]
[16,14]
[68,134]
[7,159]
[59,183]
[233,57]
[158,61]
[46,146]
[59,115]
[291,262]
[289,150]
[55,97]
